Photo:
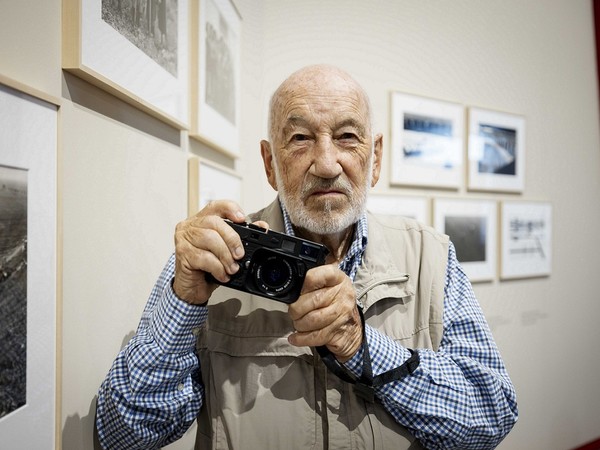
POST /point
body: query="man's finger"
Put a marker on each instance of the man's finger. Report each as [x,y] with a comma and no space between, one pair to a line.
[321,277]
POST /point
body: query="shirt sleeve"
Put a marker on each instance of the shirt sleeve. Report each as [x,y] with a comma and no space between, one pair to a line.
[461,396]
[153,392]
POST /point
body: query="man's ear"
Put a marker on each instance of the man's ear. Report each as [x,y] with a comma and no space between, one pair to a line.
[377,156]
[267,156]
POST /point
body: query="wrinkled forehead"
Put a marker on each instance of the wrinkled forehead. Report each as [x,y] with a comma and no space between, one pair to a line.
[321,106]
[321,94]
[331,89]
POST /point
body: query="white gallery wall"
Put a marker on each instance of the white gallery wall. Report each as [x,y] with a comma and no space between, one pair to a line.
[123,175]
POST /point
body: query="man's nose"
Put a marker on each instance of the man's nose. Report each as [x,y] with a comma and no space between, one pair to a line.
[326,162]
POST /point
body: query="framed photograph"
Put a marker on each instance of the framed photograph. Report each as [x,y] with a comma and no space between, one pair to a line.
[427,142]
[526,239]
[28,269]
[216,75]
[496,151]
[390,204]
[138,50]
[208,181]
[471,225]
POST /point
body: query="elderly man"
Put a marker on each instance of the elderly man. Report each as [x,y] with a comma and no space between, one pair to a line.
[405,358]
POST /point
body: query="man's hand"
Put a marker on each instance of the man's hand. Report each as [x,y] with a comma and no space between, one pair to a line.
[206,244]
[326,313]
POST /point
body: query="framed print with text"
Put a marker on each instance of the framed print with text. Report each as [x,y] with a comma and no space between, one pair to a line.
[427,142]
[136,50]
[216,75]
[526,239]
[472,227]
[496,151]
[208,181]
[28,269]
[390,204]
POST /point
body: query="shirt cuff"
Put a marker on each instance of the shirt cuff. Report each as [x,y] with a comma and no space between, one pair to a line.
[174,322]
[385,354]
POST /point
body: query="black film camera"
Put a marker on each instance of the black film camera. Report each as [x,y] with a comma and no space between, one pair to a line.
[274,264]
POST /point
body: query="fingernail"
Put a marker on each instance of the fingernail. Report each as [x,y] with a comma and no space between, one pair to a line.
[240,215]
[233,268]
[238,252]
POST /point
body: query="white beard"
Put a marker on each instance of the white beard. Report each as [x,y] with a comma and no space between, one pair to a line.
[329,220]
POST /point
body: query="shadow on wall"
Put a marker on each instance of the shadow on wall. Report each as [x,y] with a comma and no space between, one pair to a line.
[79,433]
[84,94]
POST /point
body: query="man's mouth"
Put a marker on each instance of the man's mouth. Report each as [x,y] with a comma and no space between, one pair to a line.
[327,192]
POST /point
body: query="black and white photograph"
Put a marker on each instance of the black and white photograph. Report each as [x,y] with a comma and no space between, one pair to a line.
[110,43]
[496,149]
[472,228]
[427,142]
[220,63]
[526,239]
[28,267]
[151,25]
[13,289]
[215,117]
[468,233]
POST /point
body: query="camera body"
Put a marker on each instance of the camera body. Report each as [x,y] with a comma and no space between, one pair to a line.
[274,264]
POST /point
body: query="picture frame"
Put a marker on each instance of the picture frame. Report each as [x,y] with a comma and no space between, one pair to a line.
[29,260]
[208,181]
[392,204]
[526,239]
[138,52]
[472,226]
[427,142]
[496,151]
[216,75]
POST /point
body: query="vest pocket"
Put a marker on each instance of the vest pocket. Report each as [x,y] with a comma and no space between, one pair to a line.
[262,390]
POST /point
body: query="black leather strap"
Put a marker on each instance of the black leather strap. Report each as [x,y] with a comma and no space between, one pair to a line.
[409,366]
[335,366]
[366,384]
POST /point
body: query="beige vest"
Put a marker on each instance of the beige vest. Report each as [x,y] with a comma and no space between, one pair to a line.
[262,393]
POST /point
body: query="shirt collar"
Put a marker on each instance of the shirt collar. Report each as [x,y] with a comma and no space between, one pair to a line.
[357,247]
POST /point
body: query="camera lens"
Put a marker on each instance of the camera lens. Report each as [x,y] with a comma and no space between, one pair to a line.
[274,275]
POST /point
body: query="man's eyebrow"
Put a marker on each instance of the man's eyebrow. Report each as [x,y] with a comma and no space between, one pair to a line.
[292,122]
[296,120]
[350,122]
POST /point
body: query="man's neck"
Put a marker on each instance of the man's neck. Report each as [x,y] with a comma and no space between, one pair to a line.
[336,243]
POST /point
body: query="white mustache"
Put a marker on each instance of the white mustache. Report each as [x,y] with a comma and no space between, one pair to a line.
[320,184]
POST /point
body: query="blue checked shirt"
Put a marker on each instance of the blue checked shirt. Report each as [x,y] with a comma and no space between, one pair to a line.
[460,397]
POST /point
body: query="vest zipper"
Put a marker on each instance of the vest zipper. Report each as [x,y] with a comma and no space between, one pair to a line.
[367,288]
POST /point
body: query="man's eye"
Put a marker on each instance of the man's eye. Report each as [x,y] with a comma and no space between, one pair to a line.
[299,137]
[348,137]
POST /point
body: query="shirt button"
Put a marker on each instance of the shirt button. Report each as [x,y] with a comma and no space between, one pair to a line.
[180,387]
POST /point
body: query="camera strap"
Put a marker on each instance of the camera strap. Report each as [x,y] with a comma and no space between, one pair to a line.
[365,384]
